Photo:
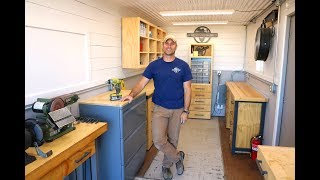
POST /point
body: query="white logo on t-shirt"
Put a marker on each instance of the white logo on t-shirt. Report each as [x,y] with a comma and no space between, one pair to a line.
[176,70]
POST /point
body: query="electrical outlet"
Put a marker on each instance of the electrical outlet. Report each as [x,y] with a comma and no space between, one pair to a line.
[273,88]
[220,106]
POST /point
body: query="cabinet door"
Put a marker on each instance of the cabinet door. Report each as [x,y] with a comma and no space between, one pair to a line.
[248,123]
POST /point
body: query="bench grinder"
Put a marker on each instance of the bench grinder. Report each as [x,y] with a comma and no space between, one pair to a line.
[54,118]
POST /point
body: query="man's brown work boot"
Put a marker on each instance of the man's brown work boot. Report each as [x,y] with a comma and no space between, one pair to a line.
[179,164]
[166,173]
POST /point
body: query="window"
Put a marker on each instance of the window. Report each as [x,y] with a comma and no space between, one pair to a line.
[259,66]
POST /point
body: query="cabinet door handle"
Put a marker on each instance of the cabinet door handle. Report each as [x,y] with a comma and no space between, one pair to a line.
[200,88]
[199,94]
[85,155]
[262,172]
[198,101]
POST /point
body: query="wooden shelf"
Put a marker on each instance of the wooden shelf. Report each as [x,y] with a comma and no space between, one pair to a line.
[201,50]
[141,42]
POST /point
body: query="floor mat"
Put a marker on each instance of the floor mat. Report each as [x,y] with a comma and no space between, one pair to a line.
[200,141]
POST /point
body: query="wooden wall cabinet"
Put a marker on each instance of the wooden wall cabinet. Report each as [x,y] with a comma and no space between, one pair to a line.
[141,42]
[245,113]
[201,96]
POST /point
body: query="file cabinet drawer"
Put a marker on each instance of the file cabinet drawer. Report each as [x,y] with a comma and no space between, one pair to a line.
[200,115]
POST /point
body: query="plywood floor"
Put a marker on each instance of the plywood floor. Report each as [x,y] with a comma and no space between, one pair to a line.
[235,167]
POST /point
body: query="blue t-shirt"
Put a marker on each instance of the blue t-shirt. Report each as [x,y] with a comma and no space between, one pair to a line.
[168,80]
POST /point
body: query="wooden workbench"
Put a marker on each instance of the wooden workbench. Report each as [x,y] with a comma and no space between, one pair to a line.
[245,114]
[276,162]
[68,152]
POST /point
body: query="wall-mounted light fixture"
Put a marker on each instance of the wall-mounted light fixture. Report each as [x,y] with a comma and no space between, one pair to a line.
[197,12]
[198,23]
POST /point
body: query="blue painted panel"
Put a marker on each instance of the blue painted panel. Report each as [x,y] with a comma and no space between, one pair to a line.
[108,147]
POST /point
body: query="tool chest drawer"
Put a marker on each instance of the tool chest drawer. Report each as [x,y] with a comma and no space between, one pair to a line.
[79,157]
[134,142]
[200,115]
[133,117]
[200,88]
[205,95]
[200,101]
[199,107]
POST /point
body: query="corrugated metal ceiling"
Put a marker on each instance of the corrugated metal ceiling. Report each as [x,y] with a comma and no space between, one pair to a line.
[245,10]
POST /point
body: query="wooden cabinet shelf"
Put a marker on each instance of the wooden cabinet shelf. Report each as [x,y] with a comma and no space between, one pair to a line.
[141,42]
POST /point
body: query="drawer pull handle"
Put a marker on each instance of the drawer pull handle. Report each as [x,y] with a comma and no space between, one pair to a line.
[199,101]
[262,172]
[198,108]
[200,88]
[85,155]
[199,94]
[198,114]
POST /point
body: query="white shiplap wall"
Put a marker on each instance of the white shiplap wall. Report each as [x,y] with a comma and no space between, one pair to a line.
[228,47]
[100,23]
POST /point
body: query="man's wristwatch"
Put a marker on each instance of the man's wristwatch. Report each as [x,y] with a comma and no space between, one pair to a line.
[186,111]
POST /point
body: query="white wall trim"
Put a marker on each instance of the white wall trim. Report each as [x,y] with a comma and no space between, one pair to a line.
[289,10]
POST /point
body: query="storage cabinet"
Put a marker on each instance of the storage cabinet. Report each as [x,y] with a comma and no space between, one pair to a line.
[201,85]
[141,42]
[276,162]
[149,121]
[122,149]
[245,113]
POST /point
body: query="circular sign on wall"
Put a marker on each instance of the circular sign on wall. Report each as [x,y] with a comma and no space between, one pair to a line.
[202,34]
[202,30]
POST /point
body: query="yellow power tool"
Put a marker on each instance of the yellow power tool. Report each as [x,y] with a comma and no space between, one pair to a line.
[118,85]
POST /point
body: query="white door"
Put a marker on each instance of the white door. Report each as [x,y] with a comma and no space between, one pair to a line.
[287,130]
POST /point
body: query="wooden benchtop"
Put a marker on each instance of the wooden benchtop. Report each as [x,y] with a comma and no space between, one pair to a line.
[281,160]
[62,148]
[104,99]
[242,91]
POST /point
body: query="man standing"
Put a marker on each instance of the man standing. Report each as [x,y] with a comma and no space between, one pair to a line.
[172,94]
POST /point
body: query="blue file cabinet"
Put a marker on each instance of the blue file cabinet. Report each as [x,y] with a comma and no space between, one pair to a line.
[120,151]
